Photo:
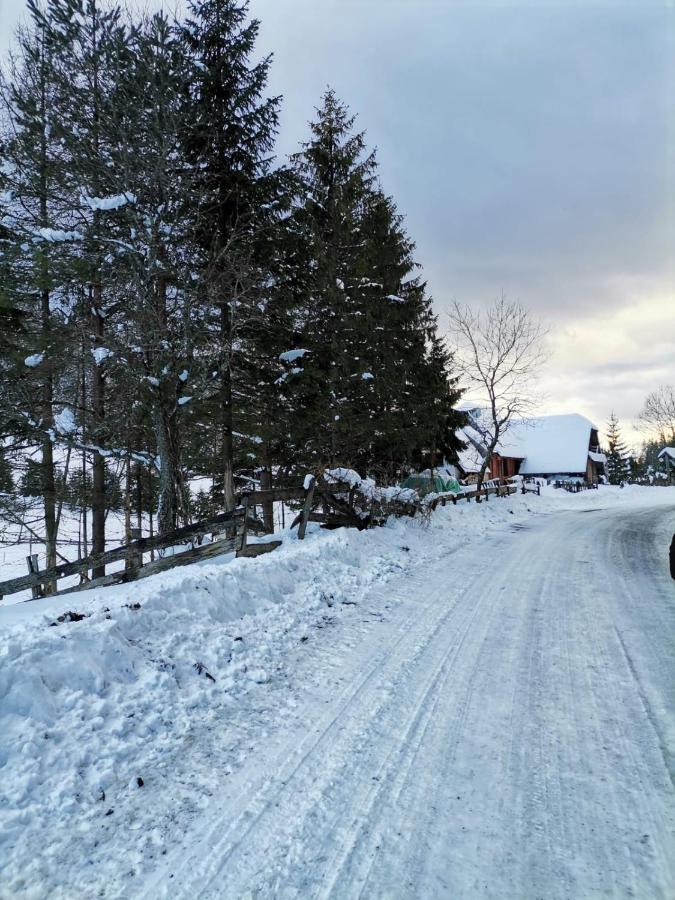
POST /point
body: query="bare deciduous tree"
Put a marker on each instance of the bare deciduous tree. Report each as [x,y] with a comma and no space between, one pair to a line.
[499,353]
[658,413]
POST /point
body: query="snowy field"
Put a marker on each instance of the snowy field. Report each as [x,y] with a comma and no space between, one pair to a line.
[145,749]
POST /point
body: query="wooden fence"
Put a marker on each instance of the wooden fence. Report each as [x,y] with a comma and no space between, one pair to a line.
[333,504]
[132,555]
[492,488]
[575,487]
[229,532]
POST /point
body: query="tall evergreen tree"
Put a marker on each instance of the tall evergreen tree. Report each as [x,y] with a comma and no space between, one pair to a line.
[375,376]
[90,55]
[230,146]
[617,452]
[155,265]
[337,176]
[414,392]
[31,158]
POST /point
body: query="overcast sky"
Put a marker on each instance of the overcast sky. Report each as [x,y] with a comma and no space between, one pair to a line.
[531,147]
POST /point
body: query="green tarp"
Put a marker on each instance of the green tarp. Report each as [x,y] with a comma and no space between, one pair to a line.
[423,484]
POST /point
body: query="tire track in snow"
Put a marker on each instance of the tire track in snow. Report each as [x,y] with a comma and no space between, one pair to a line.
[405,754]
[288,769]
[382,729]
[423,795]
[516,699]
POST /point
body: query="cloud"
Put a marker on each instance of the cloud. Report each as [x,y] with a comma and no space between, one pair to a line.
[610,360]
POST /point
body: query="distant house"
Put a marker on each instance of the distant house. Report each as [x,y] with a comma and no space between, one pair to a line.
[667,456]
[551,447]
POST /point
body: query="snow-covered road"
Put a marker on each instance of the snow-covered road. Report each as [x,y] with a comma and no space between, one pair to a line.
[507,734]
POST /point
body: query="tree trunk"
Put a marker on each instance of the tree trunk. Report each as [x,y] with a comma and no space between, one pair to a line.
[226,411]
[127,500]
[139,495]
[98,380]
[228,447]
[49,499]
[48,480]
[83,407]
[486,463]
[151,501]
[268,505]
[172,499]
[85,509]
[98,466]
[47,466]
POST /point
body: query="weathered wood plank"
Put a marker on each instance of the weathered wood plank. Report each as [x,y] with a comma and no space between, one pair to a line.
[252,550]
[158,542]
[206,551]
[33,569]
[105,581]
[277,493]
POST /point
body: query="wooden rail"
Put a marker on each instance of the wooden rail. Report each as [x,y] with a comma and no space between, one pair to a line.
[337,499]
[484,494]
[158,542]
[184,558]
[575,487]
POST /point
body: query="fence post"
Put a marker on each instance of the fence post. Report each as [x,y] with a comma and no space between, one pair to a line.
[307,508]
[240,544]
[33,569]
[134,559]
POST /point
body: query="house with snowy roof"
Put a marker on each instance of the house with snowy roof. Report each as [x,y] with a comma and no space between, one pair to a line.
[550,447]
[667,457]
[553,447]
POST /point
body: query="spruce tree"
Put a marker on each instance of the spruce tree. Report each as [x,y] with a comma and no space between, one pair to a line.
[337,175]
[90,53]
[230,146]
[617,452]
[374,383]
[413,390]
[36,233]
[154,272]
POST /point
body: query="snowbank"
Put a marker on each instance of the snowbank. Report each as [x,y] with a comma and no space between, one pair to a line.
[116,723]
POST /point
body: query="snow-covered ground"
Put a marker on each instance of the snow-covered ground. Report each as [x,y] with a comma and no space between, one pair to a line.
[478,707]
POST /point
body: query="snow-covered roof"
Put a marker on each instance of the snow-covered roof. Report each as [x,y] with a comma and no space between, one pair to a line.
[549,444]
[667,451]
[470,405]
[470,459]
[597,457]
